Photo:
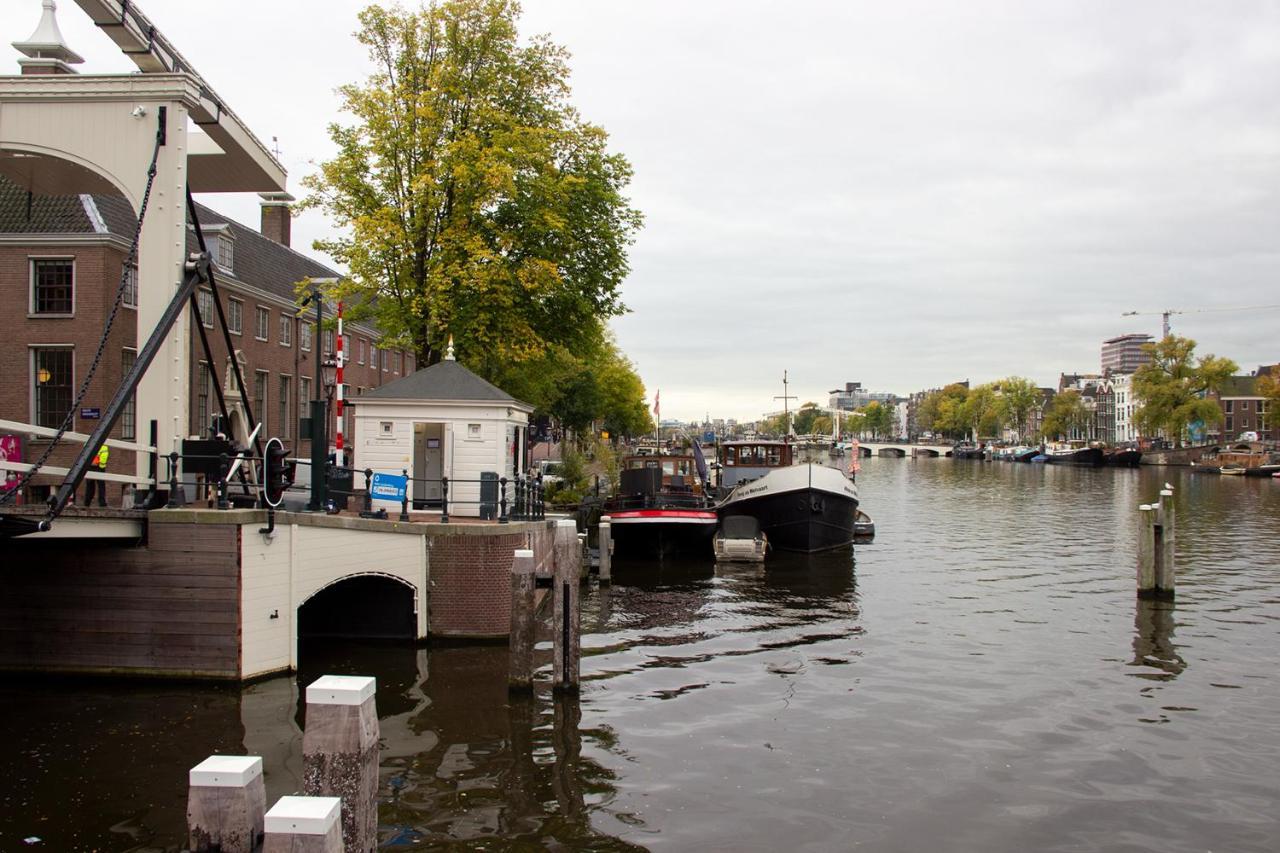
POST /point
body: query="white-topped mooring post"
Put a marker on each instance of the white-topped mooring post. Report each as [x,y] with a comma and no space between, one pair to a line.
[567,618]
[340,753]
[605,540]
[304,825]
[226,802]
[1165,566]
[523,622]
[1146,550]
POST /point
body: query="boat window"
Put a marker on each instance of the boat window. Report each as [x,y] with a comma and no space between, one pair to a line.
[775,456]
[651,463]
[668,467]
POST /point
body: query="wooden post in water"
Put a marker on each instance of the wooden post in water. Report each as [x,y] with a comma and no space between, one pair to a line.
[1165,535]
[304,825]
[523,622]
[340,753]
[605,539]
[567,619]
[1146,551]
[226,804]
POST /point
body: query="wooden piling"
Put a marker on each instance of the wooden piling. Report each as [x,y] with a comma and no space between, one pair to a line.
[523,622]
[567,618]
[304,825]
[340,753]
[1146,550]
[605,539]
[226,804]
[1165,536]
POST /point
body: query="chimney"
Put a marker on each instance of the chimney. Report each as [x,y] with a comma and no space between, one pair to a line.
[46,50]
[277,222]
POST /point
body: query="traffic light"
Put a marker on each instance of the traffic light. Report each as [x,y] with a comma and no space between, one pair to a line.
[277,472]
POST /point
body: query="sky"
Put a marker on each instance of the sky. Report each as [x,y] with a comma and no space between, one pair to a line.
[903,194]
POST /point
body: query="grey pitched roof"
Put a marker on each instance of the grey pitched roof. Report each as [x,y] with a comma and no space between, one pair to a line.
[1239,386]
[61,214]
[447,380]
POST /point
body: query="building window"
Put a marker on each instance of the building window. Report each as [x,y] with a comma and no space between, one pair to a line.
[304,336]
[1244,405]
[51,380]
[262,324]
[282,402]
[304,390]
[387,428]
[1229,406]
[474,432]
[235,316]
[1230,425]
[203,383]
[205,302]
[286,330]
[397,362]
[225,252]
[260,379]
[52,286]
[386,357]
[360,351]
[129,414]
[130,297]
[329,345]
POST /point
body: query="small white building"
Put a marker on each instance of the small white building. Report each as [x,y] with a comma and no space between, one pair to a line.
[442,421]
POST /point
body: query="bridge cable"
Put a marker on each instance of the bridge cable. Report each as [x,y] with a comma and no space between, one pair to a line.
[130,262]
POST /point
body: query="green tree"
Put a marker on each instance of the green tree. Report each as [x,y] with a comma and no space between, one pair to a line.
[1067,412]
[981,412]
[942,411]
[877,419]
[1269,387]
[475,201]
[1018,396]
[803,419]
[1173,387]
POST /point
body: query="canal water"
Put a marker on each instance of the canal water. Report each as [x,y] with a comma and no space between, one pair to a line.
[979,678]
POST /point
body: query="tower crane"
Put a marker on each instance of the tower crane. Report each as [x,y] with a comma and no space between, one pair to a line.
[1164,315]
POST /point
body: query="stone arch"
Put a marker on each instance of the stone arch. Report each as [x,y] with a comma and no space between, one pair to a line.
[372,605]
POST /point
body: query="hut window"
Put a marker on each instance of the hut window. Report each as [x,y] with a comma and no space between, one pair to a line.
[385,427]
[473,431]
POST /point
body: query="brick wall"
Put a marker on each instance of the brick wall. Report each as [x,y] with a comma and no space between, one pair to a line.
[470,580]
[97,275]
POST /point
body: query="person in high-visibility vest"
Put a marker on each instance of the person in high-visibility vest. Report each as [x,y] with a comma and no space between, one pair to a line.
[99,464]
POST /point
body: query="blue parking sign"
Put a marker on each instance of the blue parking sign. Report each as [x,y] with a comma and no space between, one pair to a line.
[388,487]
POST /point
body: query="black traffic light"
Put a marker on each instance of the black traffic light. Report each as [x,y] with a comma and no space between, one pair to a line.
[277,472]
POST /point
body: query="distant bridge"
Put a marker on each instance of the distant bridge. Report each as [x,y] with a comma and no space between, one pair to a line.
[891,448]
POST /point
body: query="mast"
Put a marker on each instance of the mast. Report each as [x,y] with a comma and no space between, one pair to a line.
[786,411]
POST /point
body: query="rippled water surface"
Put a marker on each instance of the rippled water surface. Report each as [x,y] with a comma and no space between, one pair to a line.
[979,678]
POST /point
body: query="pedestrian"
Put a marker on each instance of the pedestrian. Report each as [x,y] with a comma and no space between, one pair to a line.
[99,464]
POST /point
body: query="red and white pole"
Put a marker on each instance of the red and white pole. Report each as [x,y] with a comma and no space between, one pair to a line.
[341,455]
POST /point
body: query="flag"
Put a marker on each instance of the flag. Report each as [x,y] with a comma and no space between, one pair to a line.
[657,411]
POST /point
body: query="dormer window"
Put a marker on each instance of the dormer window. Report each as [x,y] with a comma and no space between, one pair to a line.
[221,242]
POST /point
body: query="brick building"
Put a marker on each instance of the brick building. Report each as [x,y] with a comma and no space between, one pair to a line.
[1244,409]
[61,260]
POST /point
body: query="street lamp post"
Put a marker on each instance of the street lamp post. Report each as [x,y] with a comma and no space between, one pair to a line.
[319,404]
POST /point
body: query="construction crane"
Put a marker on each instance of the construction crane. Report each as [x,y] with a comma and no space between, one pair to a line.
[1164,315]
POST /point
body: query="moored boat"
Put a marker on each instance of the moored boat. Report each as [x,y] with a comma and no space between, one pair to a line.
[1122,457]
[864,529]
[1069,455]
[660,508]
[804,507]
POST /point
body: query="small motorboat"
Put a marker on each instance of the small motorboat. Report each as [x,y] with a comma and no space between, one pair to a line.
[864,529]
[739,540]
[1235,470]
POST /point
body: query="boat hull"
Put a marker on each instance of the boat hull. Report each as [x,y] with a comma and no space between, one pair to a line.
[804,508]
[1125,458]
[649,533]
[1088,456]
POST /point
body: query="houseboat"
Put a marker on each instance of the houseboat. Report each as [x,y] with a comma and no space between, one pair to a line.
[661,508]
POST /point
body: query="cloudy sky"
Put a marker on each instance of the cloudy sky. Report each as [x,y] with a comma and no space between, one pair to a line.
[904,194]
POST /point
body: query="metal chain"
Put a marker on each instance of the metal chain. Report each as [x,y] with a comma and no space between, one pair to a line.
[129,263]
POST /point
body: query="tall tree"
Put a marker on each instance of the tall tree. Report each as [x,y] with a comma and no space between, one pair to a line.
[942,411]
[1018,396]
[1173,387]
[982,412]
[475,202]
[1067,412]
[1269,387]
[877,419]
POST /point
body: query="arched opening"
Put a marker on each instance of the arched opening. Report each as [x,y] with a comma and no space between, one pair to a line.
[365,606]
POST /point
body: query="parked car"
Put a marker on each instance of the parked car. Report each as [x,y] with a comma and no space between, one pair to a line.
[550,470]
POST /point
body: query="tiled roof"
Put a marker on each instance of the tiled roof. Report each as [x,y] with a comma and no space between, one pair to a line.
[447,380]
[1239,386]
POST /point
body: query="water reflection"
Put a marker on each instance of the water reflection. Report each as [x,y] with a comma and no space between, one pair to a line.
[1153,646]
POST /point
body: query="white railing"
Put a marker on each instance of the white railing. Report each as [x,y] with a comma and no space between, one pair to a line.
[23,467]
[46,432]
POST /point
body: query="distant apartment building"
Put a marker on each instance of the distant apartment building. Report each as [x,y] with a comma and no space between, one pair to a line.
[1124,354]
[1244,409]
[854,396]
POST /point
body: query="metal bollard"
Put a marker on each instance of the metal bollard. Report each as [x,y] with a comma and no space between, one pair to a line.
[310,824]
[444,499]
[502,500]
[340,753]
[226,802]
[224,464]
[368,489]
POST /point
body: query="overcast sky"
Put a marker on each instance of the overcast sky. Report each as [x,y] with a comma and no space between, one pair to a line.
[903,194]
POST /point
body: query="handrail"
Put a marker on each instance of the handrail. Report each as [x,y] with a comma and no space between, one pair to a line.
[46,432]
[23,467]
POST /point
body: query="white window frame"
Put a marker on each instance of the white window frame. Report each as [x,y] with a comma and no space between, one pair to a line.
[131,287]
[475,432]
[259,312]
[360,347]
[31,375]
[286,330]
[306,336]
[132,403]
[31,286]
[204,298]
[233,314]
[285,384]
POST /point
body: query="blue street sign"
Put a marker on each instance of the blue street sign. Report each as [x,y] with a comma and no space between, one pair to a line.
[388,487]
[90,414]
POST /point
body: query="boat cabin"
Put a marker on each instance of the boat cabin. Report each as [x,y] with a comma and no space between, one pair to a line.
[748,460]
[679,473]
